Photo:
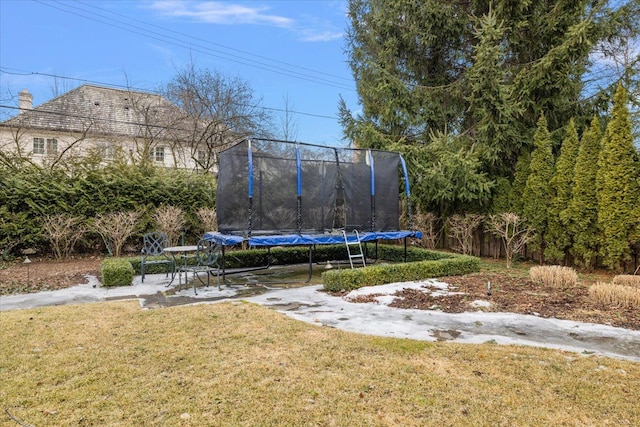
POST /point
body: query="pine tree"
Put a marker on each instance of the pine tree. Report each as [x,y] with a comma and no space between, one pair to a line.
[582,214]
[618,196]
[516,196]
[538,188]
[492,106]
[559,239]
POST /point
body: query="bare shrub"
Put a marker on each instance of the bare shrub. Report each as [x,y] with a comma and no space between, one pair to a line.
[513,232]
[627,280]
[208,219]
[461,229]
[115,228]
[428,224]
[63,231]
[170,220]
[614,295]
[554,275]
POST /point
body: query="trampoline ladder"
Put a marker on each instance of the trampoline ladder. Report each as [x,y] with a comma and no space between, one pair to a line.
[352,256]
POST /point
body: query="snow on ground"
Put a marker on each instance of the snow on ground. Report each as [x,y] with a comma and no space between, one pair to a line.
[311,304]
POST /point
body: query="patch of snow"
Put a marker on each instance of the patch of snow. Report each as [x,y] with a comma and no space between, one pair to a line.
[427,286]
[480,304]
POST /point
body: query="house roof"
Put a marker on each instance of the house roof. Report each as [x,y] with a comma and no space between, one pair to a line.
[103,110]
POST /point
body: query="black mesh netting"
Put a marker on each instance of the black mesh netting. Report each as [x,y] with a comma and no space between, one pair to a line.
[336,189]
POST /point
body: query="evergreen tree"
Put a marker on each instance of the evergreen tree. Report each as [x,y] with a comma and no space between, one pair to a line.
[516,196]
[484,70]
[618,197]
[559,238]
[492,106]
[582,214]
[537,192]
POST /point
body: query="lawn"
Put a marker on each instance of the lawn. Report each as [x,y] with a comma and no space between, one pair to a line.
[115,364]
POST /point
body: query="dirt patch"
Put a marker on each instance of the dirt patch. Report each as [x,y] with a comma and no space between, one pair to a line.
[517,295]
[509,293]
[47,274]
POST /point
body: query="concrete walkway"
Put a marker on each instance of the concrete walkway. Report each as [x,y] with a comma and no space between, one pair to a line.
[310,304]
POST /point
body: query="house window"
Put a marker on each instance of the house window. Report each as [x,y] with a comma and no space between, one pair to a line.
[202,156]
[52,146]
[107,151]
[157,154]
[38,145]
[45,146]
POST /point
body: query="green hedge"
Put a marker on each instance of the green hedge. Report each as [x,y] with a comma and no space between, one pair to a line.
[29,192]
[117,272]
[433,264]
[421,264]
[259,257]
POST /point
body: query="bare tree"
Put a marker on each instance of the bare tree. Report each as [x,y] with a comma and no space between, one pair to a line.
[219,111]
[60,84]
[288,122]
[513,232]
[461,228]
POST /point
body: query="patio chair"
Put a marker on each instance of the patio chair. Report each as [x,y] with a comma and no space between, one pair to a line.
[205,261]
[152,252]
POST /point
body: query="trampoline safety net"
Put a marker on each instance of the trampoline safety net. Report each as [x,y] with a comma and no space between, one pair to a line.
[276,187]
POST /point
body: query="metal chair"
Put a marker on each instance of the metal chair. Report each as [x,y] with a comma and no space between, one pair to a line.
[152,252]
[205,261]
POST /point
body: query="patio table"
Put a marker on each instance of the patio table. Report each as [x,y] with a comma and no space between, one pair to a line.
[176,250]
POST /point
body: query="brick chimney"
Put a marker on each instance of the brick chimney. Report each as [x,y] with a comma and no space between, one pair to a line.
[25,100]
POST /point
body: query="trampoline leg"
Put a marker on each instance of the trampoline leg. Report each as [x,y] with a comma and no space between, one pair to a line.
[405,249]
[310,264]
[223,272]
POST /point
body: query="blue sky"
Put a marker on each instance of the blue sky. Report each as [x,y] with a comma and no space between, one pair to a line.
[283,49]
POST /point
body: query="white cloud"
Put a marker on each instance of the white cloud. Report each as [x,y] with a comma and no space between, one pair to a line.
[313,35]
[215,12]
[307,28]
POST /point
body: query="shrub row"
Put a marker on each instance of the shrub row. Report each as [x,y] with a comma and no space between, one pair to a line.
[29,193]
[260,257]
[433,264]
[421,264]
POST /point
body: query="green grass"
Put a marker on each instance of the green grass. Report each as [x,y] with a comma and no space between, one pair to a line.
[239,364]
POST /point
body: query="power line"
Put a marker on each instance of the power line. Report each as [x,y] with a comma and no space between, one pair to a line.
[94,82]
[190,45]
[218,44]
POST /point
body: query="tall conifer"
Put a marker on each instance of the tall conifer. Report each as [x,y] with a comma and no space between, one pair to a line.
[538,188]
[617,199]
[559,239]
[582,215]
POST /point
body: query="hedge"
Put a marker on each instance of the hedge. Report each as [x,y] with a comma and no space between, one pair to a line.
[116,272]
[433,264]
[421,264]
[259,257]
[30,192]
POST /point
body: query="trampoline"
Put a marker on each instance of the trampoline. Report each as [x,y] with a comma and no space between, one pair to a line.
[282,193]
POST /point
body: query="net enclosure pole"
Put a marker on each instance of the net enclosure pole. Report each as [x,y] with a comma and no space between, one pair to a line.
[407,190]
[298,190]
[250,189]
[373,190]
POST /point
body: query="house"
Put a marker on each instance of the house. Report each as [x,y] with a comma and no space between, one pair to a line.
[108,123]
